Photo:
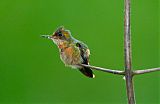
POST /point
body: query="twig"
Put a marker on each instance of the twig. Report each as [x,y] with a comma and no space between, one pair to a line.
[137,72]
[118,72]
[127,53]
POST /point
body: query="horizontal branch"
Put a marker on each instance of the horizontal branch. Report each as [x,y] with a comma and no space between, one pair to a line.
[118,72]
[137,72]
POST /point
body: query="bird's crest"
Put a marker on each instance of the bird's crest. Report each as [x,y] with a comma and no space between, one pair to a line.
[64,31]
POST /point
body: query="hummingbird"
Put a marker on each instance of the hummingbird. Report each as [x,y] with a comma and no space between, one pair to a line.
[72,51]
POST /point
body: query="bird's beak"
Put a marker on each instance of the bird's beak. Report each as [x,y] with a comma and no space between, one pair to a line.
[46,36]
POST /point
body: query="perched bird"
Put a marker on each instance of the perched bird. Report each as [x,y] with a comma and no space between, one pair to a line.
[72,51]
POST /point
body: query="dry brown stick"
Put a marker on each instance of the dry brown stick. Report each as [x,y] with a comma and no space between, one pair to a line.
[127,53]
[118,72]
[138,72]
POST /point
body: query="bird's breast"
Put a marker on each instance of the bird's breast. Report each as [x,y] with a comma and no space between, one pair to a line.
[71,55]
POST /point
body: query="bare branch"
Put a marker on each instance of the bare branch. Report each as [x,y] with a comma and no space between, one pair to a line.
[118,72]
[137,72]
[127,53]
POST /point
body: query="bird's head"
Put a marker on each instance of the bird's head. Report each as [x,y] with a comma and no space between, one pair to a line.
[60,35]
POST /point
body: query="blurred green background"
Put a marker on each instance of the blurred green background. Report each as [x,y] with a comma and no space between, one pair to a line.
[31,71]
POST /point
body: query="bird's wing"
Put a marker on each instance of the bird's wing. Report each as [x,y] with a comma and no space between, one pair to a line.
[84,52]
[85,56]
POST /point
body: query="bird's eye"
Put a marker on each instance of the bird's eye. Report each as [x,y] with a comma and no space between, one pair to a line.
[59,34]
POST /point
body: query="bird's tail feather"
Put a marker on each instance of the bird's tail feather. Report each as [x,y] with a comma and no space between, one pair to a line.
[87,72]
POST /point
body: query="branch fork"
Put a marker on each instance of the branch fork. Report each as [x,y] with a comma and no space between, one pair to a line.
[120,72]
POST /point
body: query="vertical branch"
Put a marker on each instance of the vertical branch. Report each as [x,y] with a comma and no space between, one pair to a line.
[127,54]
